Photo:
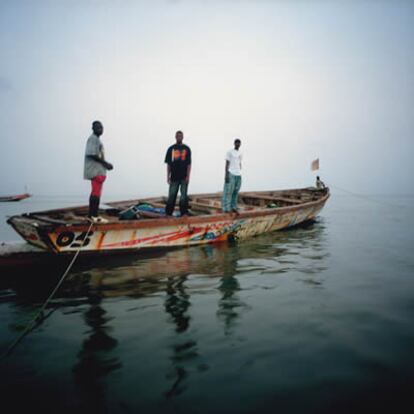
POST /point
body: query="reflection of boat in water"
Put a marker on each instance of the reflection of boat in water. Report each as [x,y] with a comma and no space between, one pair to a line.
[16,197]
[65,231]
[300,247]
[126,275]
[124,272]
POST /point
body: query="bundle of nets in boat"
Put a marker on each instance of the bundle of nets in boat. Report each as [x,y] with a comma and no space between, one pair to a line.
[133,212]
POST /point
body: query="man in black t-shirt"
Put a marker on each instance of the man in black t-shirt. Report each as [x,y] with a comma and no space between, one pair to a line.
[178,160]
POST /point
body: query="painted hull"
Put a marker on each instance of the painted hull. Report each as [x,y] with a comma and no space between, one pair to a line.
[162,232]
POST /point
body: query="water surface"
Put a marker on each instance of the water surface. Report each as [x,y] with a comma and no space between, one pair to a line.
[315,319]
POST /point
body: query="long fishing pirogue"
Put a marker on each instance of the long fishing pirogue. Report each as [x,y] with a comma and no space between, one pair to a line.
[137,224]
[17,197]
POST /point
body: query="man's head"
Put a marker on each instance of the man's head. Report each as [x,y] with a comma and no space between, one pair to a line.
[97,128]
[237,144]
[179,136]
[317,177]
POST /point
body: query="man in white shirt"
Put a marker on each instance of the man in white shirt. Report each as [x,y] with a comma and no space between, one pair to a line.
[232,179]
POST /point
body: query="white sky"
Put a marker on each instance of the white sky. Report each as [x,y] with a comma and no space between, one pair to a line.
[294,80]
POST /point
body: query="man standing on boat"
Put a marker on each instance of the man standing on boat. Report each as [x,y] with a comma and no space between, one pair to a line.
[95,170]
[232,178]
[178,160]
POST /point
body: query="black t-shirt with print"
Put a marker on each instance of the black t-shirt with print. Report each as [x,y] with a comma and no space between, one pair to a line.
[178,156]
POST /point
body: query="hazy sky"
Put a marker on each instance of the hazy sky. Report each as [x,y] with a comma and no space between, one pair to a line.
[294,80]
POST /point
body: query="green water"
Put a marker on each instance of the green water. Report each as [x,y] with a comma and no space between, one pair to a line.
[311,320]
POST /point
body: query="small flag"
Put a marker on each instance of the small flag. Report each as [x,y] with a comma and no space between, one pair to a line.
[315,165]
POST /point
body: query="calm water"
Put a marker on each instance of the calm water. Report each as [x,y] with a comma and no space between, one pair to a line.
[310,320]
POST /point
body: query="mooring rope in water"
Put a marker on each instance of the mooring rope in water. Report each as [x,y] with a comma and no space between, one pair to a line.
[39,318]
[365,197]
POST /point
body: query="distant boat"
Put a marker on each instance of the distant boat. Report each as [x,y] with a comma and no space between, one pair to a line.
[64,231]
[17,197]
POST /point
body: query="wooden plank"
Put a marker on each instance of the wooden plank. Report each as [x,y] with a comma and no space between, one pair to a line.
[204,205]
[271,198]
[158,205]
[150,214]
[200,210]
[47,219]
[73,217]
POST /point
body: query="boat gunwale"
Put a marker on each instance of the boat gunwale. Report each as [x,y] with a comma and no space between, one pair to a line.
[45,228]
[113,204]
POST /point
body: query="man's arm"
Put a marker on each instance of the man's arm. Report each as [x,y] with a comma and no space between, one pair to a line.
[187,178]
[226,172]
[167,160]
[106,164]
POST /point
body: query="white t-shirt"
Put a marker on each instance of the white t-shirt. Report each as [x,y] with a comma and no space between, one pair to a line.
[234,157]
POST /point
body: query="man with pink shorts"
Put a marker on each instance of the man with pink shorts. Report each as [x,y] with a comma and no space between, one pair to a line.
[95,170]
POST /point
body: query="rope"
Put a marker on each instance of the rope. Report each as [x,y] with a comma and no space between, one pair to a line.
[364,197]
[39,318]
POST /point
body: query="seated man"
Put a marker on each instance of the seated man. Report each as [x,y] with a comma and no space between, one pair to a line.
[319,184]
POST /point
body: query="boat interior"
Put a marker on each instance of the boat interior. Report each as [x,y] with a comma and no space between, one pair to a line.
[199,204]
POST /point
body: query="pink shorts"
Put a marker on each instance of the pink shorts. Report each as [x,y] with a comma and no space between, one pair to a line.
[97,183]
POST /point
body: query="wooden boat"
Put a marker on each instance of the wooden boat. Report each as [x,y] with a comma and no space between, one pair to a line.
[66,230]
[17,197]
